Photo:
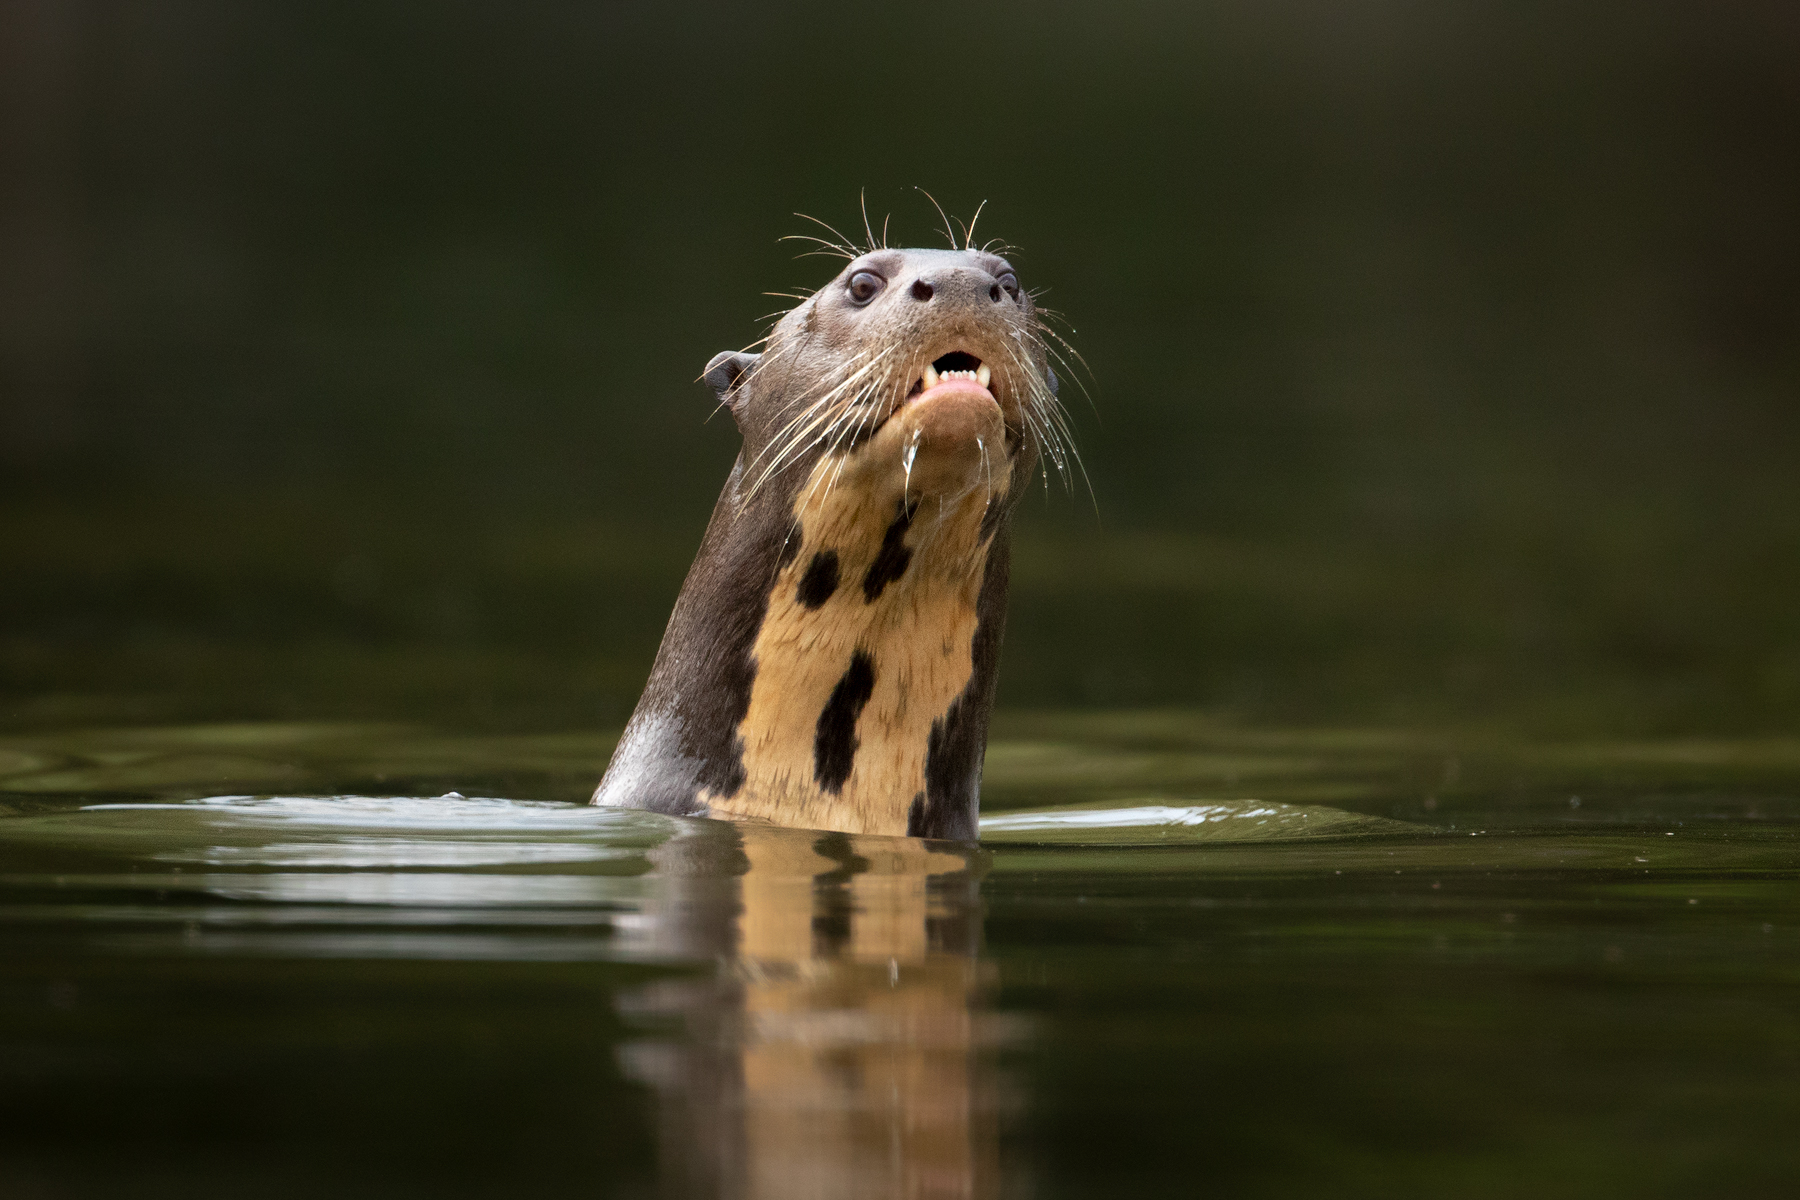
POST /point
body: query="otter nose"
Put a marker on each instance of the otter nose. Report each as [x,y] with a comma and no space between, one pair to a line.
[965,285]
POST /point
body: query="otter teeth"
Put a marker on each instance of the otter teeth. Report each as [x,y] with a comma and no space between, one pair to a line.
[933,376]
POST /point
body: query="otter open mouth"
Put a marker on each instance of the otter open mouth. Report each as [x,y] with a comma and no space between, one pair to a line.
[956,365]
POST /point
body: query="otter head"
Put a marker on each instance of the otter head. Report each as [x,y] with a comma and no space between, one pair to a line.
[920,373]
[832,657]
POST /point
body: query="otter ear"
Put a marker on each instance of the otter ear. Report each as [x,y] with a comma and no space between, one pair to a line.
[725,372]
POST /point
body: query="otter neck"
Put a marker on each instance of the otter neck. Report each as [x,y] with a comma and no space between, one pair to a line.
[830,663]
[867,644]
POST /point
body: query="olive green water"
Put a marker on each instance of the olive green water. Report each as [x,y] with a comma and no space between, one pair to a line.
[1190,958]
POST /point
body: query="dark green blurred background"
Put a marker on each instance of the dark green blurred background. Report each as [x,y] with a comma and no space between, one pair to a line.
[1445,355]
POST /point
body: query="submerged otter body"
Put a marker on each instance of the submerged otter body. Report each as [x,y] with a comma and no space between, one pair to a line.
[832,657]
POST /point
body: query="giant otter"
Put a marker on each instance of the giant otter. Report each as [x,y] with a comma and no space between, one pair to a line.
[832,657]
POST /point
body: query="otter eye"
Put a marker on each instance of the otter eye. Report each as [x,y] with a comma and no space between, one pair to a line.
[1010,282]
[864,285]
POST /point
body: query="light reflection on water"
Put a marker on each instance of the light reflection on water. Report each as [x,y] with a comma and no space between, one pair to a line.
[834,1043]
[787,1013]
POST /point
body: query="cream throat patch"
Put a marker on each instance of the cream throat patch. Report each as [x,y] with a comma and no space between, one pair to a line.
[865,646]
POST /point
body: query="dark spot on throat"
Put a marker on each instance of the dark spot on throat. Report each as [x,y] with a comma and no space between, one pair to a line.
[893,558]
[834,745]
[820,580]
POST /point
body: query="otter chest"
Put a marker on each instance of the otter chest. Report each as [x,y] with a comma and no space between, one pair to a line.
[866,644]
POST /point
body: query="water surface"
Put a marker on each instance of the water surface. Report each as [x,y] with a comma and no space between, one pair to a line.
[1187,958]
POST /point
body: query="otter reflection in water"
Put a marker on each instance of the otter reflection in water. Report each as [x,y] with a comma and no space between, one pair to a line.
[839,1049]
